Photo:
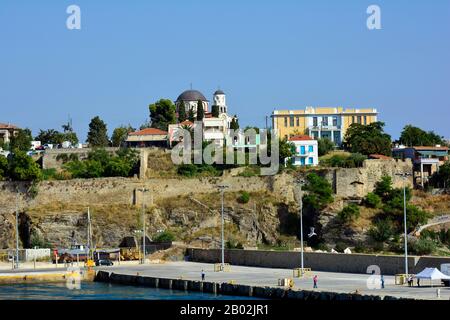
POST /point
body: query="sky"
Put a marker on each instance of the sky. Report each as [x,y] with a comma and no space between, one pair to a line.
[263,54]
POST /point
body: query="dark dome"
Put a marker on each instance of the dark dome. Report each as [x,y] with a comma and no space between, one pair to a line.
[191,95]
[219,92]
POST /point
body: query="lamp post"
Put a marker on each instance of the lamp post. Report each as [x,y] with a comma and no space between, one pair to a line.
[16,266]
[405,175]
[300,183]
[143,190]
[222,191]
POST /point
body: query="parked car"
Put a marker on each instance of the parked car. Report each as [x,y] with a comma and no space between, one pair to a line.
[104,262]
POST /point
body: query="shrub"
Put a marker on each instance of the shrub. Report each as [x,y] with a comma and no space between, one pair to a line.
[382,231]
[349,213]
[372,200]
[230,244]
[165,236]
[340,247]
[422,246]
[244,197]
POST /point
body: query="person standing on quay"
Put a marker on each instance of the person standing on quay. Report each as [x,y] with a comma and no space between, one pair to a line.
[315,280]
[382,282]
[203,275]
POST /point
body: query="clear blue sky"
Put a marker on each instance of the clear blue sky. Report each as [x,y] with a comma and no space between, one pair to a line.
[263,54]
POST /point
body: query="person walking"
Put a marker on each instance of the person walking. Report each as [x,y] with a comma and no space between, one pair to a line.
[418,282]
[203,275]
[382,282]
[315,280]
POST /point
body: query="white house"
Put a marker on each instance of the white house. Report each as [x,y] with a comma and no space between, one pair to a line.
[306,151]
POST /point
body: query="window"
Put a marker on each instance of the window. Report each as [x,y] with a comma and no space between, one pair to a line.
[325,121]
[353,119]
[335,121]
[315,122]
[298,121]
[311,149]
[291,121]
[302,150]
[359,119]
[302,161]
[365,119]
[285,121]
[311,160]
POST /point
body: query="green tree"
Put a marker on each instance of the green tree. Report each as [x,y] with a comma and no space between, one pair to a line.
[181,112]
[325,146]
[69,134]
[368,139]
[21,141]
[286,150]
[414,136]
[23,168]
[120,134]
[350,213]
[162,113]
[191,115]
[372,200]
[384,188]
[3,167]
[320,192]
[441,178]
[98,133]
[234,124]
[200,110]
[215,111]
[49,136]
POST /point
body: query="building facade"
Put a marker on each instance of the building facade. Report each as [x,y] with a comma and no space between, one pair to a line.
[306,151]
[215,129]
[426,160]
[320,122]
[7,131]
[149,137]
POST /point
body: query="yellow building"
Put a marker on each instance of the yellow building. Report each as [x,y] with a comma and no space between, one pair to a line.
[320,122]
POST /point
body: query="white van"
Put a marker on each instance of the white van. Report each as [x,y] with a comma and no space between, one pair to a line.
[445,269]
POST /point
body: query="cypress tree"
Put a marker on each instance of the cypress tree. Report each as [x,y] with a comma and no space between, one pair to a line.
[181,112]
[200,111]
[215,111]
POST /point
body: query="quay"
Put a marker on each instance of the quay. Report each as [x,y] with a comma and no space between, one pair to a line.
[262,282]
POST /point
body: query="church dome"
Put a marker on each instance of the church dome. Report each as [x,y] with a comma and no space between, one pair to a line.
[219,92]
[191,95]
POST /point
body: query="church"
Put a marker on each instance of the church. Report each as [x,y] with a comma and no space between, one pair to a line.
[216,122]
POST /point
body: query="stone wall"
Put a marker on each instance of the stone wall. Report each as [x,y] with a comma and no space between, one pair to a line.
[108,191]
[50,161]
[357,182]
[330,262]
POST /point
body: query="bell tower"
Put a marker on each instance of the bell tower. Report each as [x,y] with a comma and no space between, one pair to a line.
[220,101]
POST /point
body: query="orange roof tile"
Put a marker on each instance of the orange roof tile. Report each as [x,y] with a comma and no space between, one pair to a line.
[148,132]
[300,138]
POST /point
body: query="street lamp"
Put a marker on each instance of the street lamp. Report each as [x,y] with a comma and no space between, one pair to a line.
[16,265]
[143,190]
[222,190]
[405,175]
[300,183]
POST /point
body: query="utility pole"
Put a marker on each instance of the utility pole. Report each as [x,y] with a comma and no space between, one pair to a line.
[143,190]
[222,190]
[300,183]
[405,175]
[17,230]
[89,234]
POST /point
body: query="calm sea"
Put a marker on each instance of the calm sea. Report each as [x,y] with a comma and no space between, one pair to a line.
[101,291]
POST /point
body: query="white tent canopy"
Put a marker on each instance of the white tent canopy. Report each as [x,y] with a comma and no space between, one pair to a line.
[431,274]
